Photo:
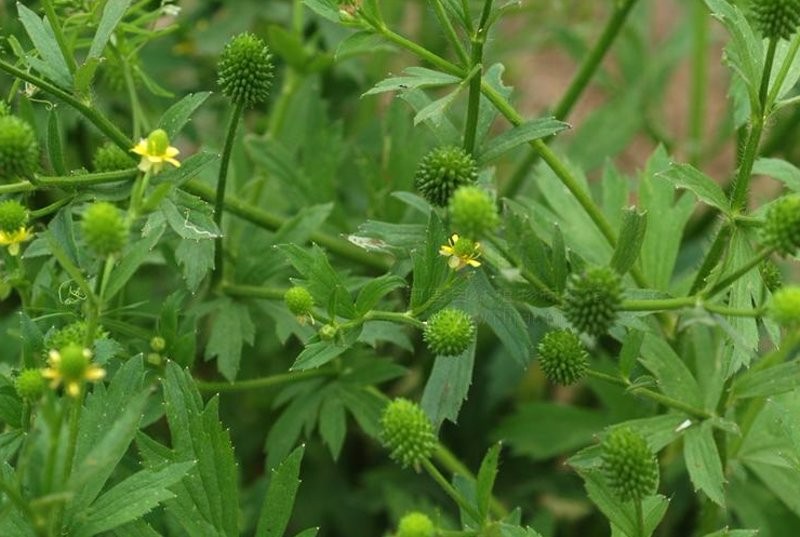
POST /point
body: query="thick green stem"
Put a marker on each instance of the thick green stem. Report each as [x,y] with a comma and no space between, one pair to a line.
[711,259]
[450,490]
[763,92]
[69,181]
[264,382]
[222,181]
[659,304]
[474,100]
[639,517]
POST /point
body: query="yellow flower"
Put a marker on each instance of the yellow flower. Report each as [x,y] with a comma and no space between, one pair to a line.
[462,252]
[155,151]
[15,238]
[72,365]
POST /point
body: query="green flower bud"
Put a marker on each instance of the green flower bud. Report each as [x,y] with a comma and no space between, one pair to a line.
[30,384]
[407,433]
[158,344]
[245,69]
[328,332]
[104,229]
[562,357]
[442,171]
[776,18]
[19,149]
[415,525]
[299,301]
[592,299]
[781,229]
[110,158]
[771,275]
[75,360]
[628,464]
[473,212]
[449,332]
[13,216]
[71,334]
[785,306]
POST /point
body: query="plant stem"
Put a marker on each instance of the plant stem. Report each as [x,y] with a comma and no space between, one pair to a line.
[450,490]
[444,20]
[263,382]
[395,317]
[525,273]
[699,85]
[222,181]
[448,460]
[419,50]
[659,304]
[474,101]
[738,273]
[765,76]
[69,181]
[55,25]
[577,86]
[734,312]
[639,517]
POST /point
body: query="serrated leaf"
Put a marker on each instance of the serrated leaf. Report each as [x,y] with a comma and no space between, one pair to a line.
[629,354]
[415,78]
[434,112]
[674,378]
[768,382]
[44,40]
[622,515]
[283,485]
[631,238]
[375,289]
[113,12]
[534,129]
[701,185]
[779,169]
[485,480]
[325,8]
[430,269]
[55,149]
[733,533]
[703,462]
[178,115]
[232,328]
[190,217]
[333,424]
[448,386]
[196,259]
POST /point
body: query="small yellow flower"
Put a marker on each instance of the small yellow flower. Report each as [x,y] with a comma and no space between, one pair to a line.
[72,365]
[462,252]
[15,238]
[155,151]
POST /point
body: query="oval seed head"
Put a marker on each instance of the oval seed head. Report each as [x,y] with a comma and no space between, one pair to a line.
[449,332]
[19,149]
[442,171]
[777,19]
[13,216]
[592,300]
[771,276]
[785,307]
[628,464]
[415,524]
[781,229]
[562,357]
[244,71]
[299,301]
[30,384]
[104,229]
[110,158]
[407,433]
[473,212]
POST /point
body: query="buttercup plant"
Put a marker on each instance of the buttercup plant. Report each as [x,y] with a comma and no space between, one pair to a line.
[245,293]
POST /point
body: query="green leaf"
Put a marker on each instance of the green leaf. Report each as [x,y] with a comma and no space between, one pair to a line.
[53,63]
[435,111]
[703,462]
[485,481]
[508,530]
[779,169]
[701,185]
[448,385]
[132,498]
[133,257]
[363,42]
[375,289]
[283,485]
[415,77]
[774,380]
[631,238]
[325,8]
[196,259]
[113,12]
[189,217]
[622,515]
[333,424]
[55,149]
[430,269]
[232,328]
[178,115]
[288,45]
[323,282]
[10,407]
[629,354]
[190,168]
[674,378]
[526,132]
[733,533]
[310,532]
[317,354]
[84,77]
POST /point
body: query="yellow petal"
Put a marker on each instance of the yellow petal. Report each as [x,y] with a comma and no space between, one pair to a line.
[140,148]
[95,373]
[454,238]
[49,373]
[171,152]
[172,161]
[445,250]
[473,263]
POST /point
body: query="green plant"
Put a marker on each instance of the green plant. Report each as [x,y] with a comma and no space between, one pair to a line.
[384,300]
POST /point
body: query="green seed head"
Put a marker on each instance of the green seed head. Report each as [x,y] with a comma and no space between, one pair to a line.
[563,357]
[629,465]
[19,149]
[71,334]
[785,307]
[299,301]
[245,70]
[442,171]
[415,525]
[110,158]
[74,362]
[13,216]
[781,229]
[104,229]
[30,384]
[592,299]
[449,332]
[407,433]
[771,275]
[473,212]
[777,19]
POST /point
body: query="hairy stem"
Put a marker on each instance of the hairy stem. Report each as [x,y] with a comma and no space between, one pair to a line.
[222,181]
[263,382]
[450,490]
[474,100]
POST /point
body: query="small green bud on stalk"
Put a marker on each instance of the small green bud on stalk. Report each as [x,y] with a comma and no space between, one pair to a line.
[407,433]
[299,301]
[449,332]
[442,171]
[473,212]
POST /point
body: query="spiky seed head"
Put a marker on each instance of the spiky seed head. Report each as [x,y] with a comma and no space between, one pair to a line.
[473,212]
[30,384]
[244,71]
[777,19]
[442,171]
[592,300]
[771,275]
[299,300]
[785,306]
[110,158]
[13,216]
[407,433]
[19,149]
[71,334]
[415,524]
[562,357]
[628,464]
[781,229]
[449,332]
[104,229]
